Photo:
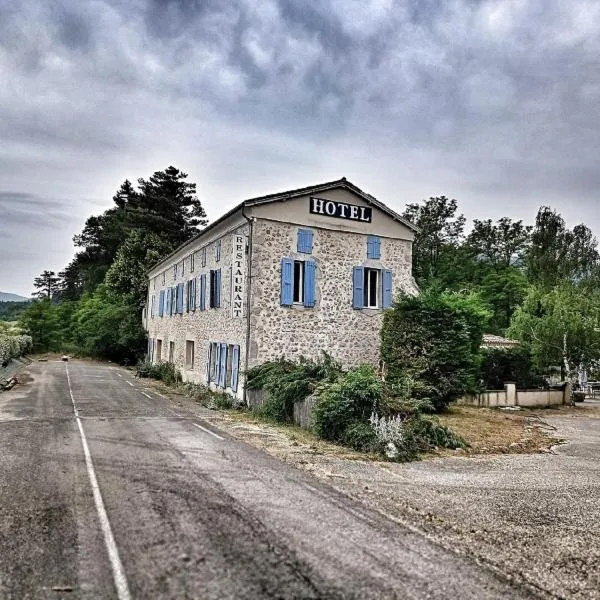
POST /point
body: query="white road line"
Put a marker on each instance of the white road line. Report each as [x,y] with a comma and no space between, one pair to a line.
[119,374]
[208,431]
[129,382]
[172,411]
[144,394]
[109,539]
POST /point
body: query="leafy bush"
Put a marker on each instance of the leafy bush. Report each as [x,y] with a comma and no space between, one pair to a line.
[402,438]
[287,382]
[348,400]
[500,365]
[13,346]
[163,371]
[433,340]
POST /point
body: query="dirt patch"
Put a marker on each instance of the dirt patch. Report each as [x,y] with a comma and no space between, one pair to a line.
[494,431]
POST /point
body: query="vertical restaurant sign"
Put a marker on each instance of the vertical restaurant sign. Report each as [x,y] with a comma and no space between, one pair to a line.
[237,276]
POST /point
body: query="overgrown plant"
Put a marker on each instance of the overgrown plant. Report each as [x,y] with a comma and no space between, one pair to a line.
[287,382]
[434,340]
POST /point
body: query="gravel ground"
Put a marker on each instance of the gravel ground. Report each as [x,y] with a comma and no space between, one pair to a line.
[533,517]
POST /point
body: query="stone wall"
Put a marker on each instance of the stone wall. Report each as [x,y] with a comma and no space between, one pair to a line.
[351,336]
[201,327]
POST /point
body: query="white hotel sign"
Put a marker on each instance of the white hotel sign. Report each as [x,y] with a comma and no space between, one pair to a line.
[238,298]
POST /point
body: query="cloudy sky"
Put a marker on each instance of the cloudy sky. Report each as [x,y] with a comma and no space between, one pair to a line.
[495,103]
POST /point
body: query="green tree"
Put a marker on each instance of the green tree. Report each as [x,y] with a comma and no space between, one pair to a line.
[501,244]
[503,290]
[126,279]
[46,285]
[557,254]
[431,344]
[40,321]
[560,326]
[106,328]
[436,249]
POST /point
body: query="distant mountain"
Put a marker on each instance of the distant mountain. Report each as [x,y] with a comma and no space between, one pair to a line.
[6,297]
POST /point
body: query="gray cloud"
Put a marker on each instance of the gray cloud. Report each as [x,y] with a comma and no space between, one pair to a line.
[494,102]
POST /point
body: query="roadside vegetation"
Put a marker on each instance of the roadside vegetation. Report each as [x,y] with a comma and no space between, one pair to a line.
[431,345]
[94,306]
[13,343]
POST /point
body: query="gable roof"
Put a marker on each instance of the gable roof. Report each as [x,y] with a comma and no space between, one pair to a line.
[330,185]
[342,183]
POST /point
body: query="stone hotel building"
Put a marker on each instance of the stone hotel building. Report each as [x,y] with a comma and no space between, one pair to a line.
[288,274]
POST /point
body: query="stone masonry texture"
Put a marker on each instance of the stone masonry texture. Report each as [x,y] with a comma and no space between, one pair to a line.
[350,336]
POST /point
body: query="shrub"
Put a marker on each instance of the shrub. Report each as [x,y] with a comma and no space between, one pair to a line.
[287,382]
[13,346]
[351,398]
[433,340]
[500,365]
[402,438]
[164,371]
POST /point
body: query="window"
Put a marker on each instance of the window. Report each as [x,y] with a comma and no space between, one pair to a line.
[203,257]
[305,241]
[183,267]
[174,272]
[189,355]
[218,250]
[191,295]
[373,247]
[192,262]
[171,352]
[164,277]
[202,295]
[298,282]
[152,302]
[215,289]
[161,303]
[210,365]
[158,355]
[371,288]
[229,365]
[154,283]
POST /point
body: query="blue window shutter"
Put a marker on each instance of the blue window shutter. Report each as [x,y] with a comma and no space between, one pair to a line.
[202,292]
[387,289]
[287,282]
[217,372]
[310,275]
[179,296]
[218,290]
[161,303]
[169,301]
[173,300]
[208,373]
[358,282]
[193,294]
[182,293]
[305,241]
[373,247]
[187,296]
[235,368]
[223,369]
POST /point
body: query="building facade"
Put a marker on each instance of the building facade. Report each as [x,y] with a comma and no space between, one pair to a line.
[288,274]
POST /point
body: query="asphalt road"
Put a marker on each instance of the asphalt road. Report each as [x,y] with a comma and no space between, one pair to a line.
[108,491]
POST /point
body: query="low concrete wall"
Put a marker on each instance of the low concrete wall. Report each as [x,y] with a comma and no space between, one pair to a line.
[256,398]
[302,410]
[510,396]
